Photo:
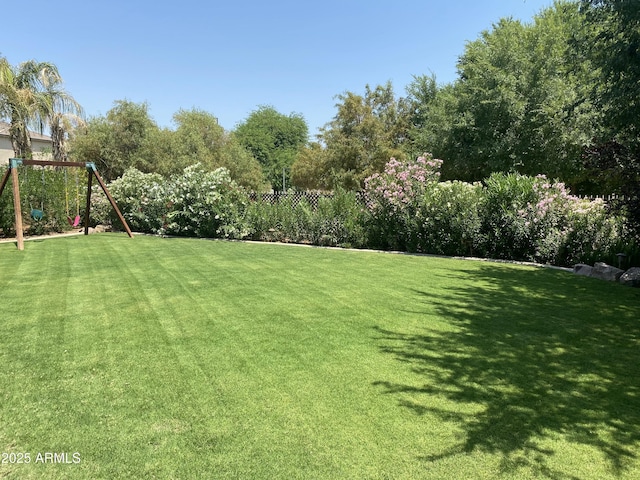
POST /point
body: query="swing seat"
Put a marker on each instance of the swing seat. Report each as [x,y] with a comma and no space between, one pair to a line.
[37,214]
[74,222]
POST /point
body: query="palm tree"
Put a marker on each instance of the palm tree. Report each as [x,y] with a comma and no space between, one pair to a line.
[65,115]
[31,95]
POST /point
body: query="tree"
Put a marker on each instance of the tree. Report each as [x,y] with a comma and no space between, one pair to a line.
[516,105]
[431,116]
[274,140]
[65,117]
[612,43]
[118,141]
[366,131]
[199,138]
[309,169]
[31,95]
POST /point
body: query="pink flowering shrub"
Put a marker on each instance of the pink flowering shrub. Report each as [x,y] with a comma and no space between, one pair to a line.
[511,216]
[401,183]
[393,198]
[535,219]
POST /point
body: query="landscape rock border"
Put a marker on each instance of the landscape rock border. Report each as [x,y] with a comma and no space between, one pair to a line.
[602,271]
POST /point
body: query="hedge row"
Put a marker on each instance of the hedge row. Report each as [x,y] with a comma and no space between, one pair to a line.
[407,208]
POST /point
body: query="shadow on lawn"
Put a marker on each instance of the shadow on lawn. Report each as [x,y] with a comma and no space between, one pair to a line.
[534,354]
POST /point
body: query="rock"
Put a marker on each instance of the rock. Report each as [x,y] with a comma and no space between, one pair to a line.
[606,272]
[631,277]
[582,269]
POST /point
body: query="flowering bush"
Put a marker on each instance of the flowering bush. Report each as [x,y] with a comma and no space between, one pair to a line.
[393,198]
[194,203]
[139,196]
[448,220]
[534,219]
[204,204]
[405,207]
[401,183]
[594,234]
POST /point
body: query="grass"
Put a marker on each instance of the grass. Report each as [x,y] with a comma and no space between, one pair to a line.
[184,358]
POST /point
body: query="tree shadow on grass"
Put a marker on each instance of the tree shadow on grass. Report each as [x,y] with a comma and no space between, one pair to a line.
[538,354]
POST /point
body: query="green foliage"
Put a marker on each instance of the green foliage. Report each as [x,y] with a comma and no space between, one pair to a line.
[141,197]
[309,170]
[527,218]
[196,203]
[512,216]
[393,199]
[118,141]
[406,208]
[199,138]
[31,96]
[204,204]
[128,138]
[518,105]
[54,192]
[448,221]
[611,41]
[366,131]
[274,140]
[505,234]
[337,220]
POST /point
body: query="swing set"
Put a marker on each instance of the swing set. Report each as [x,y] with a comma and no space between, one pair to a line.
[38,213]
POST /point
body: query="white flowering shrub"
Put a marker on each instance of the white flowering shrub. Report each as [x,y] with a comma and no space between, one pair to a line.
[448,220]
[201,203]
[195,203]
[140,197]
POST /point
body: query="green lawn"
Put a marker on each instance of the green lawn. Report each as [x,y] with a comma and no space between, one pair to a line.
[185,358]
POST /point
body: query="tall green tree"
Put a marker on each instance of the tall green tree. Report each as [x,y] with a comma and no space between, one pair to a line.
[118,141]
[516,105]
[309,170]
[612,43]
[199,138]
[274,139]
[431,116]
[364,134]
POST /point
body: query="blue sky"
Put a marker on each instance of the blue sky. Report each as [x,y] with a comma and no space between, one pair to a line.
[228,58]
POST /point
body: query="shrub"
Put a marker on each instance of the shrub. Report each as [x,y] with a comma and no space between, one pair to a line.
[335,221]
[204,204]
[593,234]
[141,197]
[339,220]
[531,218]
[194,203]
[448,220]
[393,199]
[504,233]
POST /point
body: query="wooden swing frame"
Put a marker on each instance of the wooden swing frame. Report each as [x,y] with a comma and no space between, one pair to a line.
[12,172]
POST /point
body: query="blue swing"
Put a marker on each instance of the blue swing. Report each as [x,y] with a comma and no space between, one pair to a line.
[37,214]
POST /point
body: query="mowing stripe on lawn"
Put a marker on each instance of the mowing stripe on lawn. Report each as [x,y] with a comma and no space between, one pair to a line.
[186,358]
